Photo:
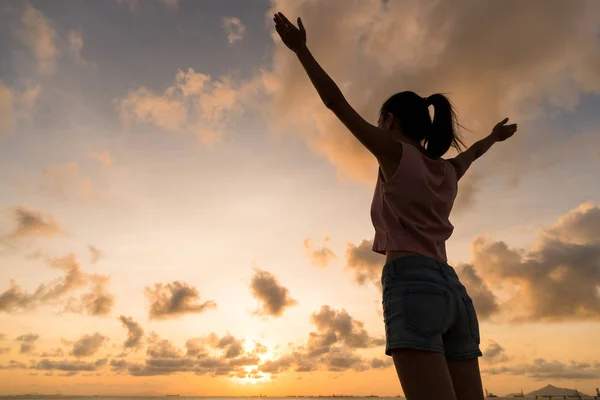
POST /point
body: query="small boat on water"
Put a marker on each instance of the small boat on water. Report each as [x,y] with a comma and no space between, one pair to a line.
[520,394]
[489,395]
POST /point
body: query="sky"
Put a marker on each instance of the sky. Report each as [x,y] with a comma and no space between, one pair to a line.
[180,212]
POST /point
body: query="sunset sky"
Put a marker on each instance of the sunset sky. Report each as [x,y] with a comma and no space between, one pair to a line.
[180,213]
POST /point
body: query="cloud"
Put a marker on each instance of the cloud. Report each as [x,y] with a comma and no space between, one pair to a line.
[57,352]
[320,257]
[32,223]
[273,297]
[427,48]
[4,350]
[331,324]
[468,188]
[95,253]
[484,300]
[73,367]
[175,299]
[135,333]
[364,263]
[556,279]
[14,299]
[75,43]
[103,157]
[94,302]
[540,369]
[88,345]
[378,363]
[13,364]
[195,103]
[494,353]
[171,4]
[331,347]
[36,32]
[135,6]
[27,342]
[74,277]
[234,28]
[16,106]
[66,183]
[97,301]
[212,355]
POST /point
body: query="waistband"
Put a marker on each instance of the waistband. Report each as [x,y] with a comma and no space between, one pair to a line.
[392,267]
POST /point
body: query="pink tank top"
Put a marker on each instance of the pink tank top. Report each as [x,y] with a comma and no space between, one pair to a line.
[411,210]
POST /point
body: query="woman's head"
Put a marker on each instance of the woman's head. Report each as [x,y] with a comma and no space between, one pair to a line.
[409,112]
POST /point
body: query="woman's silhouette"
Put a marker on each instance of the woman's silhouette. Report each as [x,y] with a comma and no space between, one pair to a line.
[431,326]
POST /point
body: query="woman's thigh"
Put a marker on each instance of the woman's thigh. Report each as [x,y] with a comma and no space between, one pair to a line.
[423,375]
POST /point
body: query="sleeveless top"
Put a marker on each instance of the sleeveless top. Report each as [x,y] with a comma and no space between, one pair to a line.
[410,211]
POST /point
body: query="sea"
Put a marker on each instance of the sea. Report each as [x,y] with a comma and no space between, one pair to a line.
[176,397]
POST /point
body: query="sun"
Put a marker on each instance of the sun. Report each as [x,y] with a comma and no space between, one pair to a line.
[253,376]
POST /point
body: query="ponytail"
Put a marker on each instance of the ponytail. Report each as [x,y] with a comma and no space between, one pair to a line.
[412,111]
[444,128]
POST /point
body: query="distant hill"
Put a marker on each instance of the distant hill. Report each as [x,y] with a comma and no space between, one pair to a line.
[553,391]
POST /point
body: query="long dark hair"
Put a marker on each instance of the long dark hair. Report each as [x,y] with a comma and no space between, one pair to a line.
[412,111]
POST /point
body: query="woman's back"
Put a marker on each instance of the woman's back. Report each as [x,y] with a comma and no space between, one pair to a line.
[410,211]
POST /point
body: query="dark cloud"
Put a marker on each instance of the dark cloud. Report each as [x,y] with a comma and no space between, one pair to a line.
[95,302]
[494,353]
[378,363]
[332,347]
[135,333]
[320,257]
[344,328]
[27,342]
[14,299]
[540,369]
[57,352]
[364,263]
[88,345]
[484,300]
[175,299]
[13,364]
[95,254]
[69,365]
[33,223]
[273,297]
[557,279]
[233,347]
[211,355]
[437,42]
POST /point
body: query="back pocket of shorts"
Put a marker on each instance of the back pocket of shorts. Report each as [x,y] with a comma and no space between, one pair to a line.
[473,321]
[426,310]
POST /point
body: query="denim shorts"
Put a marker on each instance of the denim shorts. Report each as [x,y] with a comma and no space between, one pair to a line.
[425,307]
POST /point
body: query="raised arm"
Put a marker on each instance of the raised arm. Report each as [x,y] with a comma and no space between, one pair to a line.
[376,140]
[463,161]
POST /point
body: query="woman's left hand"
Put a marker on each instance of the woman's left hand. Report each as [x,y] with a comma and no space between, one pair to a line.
[292,37]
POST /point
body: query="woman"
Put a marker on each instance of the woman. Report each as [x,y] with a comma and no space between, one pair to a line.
[431,326]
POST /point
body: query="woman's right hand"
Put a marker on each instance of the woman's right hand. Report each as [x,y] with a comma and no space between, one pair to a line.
[502,131]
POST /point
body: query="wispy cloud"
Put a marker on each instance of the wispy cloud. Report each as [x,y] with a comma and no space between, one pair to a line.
[66,183]
[234,28]
[320,257]
[37,33]
[27,342]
